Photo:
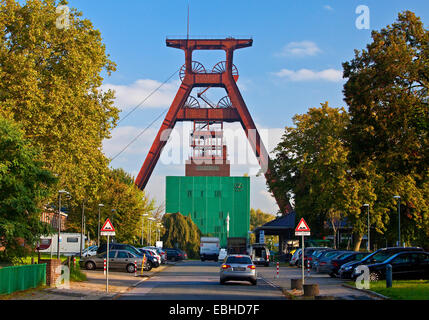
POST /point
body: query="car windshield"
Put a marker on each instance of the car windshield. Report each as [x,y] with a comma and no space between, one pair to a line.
[344,256]
[332,254]
[239,260]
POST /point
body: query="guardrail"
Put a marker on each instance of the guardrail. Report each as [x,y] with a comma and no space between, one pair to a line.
[20,278]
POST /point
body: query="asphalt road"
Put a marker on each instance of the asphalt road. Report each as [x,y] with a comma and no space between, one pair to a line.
[196,280]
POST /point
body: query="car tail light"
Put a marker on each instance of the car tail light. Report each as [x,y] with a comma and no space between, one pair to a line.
[251,267]
[226,266]
[310,258]
[179,254]
[335,264]
[322,263]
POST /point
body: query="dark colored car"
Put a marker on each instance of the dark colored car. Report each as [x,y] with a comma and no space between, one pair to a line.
[348,257]
[409,265]
[378,256]
[308,252]
[153,262]
[175,254]
[118,246]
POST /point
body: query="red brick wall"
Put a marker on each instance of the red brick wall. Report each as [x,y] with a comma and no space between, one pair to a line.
[52,271]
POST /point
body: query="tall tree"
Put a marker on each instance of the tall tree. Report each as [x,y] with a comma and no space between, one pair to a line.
[311,161]
[259,218]
[181,232]
[23,184]
[387,95]
[50,82]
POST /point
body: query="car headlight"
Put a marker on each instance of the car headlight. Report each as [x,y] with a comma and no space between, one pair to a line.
[348,268]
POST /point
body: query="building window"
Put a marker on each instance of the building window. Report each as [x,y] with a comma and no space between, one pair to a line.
[221,215]
[189,194]
[218,194]
[73,240]
[202,194]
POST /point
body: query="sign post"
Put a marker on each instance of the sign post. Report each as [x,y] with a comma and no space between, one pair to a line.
[108,231]
[302,230]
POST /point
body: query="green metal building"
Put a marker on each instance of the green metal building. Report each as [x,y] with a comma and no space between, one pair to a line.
[209,200]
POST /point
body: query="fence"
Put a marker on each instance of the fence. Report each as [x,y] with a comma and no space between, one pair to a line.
[20,278]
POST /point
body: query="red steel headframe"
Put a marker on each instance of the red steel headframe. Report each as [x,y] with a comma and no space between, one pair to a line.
[239,112]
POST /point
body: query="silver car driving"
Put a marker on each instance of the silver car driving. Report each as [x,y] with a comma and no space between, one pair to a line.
[238,267]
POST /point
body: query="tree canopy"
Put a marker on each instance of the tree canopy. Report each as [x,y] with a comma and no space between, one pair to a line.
[181,232]
[50,82]
[23,184]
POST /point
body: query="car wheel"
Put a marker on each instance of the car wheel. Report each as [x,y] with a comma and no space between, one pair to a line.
[131,268]
[253,282]
[90,265]
[332,275]
[374,276]
[222,281]
[148,266]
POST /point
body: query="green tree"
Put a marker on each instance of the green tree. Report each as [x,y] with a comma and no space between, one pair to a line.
[257,219]
[181,232]
[124,205]
[50,82]
[23,184]
[312,163]
[387,95]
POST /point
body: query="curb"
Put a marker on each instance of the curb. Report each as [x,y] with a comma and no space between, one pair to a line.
[369,292]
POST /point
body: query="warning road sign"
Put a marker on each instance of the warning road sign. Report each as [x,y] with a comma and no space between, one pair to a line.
[302,228]
[107,229]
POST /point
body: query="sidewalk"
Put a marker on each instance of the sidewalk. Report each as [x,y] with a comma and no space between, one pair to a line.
[92,289]
[328,286]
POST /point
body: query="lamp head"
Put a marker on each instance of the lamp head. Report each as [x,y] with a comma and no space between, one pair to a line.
[397,197]
[101,205]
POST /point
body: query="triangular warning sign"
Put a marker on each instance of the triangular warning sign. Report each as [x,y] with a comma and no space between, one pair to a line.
[107,226]
[302,226]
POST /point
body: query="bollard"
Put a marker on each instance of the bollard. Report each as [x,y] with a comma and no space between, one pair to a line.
[311,290]
[74,261]
[296,284]
[389,276]
[277,270]
[135,268]
[104,266]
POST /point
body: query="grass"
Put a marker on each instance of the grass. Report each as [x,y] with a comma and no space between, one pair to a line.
[402,289]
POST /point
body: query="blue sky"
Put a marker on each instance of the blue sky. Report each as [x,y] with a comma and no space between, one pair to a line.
[294,63]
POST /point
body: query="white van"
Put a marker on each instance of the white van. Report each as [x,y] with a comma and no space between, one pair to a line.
[209,248]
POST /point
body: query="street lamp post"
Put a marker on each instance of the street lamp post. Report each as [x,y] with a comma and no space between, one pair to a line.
[143,215]
[82,232]
[98,234]
[399,219]
[59,220]
[368,246]
[150,230]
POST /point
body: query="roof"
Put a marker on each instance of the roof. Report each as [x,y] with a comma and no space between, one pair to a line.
[283,223]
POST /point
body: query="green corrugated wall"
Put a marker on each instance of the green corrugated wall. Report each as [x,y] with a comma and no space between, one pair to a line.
[209,200]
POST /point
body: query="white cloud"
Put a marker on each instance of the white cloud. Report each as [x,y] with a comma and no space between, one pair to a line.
[328,7]
[302,48]
[332,75]
[129,96]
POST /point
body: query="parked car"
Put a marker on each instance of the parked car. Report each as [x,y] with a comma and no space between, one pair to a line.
[90,251]
[294,259]
[161,253]
[320,254]
[238,267]
[118,246]
[260,254]
[378,256]
[154,253]
[152,259]
[222,254]
[324,256]
[307,255]
[324,265]
[337,262]
[410,265]
[118,259]
[174,254]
